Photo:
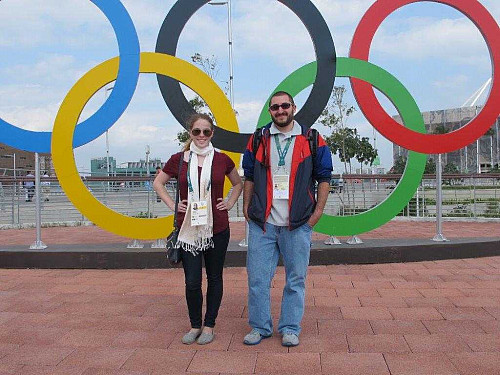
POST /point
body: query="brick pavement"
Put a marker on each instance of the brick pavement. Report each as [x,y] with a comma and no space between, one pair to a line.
[439,317]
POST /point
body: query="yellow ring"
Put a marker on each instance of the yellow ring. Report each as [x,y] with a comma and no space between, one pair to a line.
[67,118]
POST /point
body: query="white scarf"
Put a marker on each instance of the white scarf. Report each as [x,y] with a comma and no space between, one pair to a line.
[198,238]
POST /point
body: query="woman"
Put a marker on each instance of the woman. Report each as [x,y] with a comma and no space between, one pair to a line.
[204,231]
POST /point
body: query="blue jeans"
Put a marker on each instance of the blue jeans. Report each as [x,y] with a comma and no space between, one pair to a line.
[263,253]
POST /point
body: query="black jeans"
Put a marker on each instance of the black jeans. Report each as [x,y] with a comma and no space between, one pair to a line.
[214,265]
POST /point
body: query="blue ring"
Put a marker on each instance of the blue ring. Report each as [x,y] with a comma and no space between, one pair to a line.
[115,105]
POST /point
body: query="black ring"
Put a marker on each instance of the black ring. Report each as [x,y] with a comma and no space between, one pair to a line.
[326,57]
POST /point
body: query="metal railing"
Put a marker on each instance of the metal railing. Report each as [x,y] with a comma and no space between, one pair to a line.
[470,196]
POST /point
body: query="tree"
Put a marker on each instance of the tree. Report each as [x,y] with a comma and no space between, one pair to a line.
[399,165]
[430,166]
[450,168]
[343,140]
[210,66]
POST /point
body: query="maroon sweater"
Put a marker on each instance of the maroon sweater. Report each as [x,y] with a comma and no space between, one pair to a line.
[222,165]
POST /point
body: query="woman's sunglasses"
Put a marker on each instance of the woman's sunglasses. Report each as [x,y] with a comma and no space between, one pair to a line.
[275,107]
[206,132]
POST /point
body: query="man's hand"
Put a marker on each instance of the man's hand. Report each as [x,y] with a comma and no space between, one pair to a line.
[247,197]
[323,191]
[314,218]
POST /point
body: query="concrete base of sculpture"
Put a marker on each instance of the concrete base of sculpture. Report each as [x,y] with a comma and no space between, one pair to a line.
[117,256]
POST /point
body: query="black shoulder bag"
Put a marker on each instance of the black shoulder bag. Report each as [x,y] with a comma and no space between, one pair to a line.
[174,251]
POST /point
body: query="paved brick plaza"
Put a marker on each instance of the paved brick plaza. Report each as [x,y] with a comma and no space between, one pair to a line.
[431,318]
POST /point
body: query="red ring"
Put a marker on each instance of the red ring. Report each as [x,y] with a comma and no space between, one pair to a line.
[386,125]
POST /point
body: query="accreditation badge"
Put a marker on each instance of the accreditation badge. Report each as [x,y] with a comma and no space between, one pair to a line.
[281,186]
[199,213]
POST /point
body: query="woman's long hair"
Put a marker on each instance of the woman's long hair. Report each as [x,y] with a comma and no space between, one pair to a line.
[190,122]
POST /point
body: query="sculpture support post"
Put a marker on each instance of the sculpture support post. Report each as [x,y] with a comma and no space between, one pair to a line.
[439,237]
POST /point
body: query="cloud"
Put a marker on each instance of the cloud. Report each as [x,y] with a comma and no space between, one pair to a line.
[35,23]
[456,40]
[452,82]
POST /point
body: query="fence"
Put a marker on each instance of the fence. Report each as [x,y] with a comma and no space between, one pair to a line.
[471,196]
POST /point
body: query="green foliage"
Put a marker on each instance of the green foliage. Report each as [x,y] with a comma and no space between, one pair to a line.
[430,166]
[348,144]
[344,141]
[399,166]
[451,168]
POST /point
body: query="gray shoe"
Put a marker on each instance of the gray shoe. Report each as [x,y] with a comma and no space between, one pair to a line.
[290,339]
[190,337]
[205,338]
[254,338]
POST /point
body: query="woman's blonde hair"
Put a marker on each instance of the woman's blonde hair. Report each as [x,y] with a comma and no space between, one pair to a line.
[190,123]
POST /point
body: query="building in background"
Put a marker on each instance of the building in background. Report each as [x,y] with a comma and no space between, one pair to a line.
[467,159]
[98,167]
[25,161]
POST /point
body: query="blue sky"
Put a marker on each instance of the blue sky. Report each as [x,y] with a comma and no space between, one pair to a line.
[433,49]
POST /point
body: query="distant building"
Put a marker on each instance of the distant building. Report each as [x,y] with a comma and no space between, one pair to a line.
[370,170]
[131,168]
[98,166]
[466,158]
[24,161]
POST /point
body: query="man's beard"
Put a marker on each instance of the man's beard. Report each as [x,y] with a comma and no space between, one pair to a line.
[283,124]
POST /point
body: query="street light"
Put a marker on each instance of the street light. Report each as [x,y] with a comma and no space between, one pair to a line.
[230,45]
[108,89]
[14,186]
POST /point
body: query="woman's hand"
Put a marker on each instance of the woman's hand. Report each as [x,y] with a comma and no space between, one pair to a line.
[182,206]
[223,205]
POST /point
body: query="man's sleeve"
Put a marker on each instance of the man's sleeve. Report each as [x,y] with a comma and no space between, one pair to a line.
[323,162]
[249,160]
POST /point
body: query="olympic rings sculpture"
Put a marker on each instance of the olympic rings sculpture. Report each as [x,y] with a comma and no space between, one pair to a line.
[320,74]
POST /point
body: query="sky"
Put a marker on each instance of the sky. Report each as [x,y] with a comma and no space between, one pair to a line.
[47,45]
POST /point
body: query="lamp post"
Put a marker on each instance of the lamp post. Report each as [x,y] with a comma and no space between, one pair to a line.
[106,91]
[147,175]
[14,184]
[230,45]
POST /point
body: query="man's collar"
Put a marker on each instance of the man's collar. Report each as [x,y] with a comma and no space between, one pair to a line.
[295,130]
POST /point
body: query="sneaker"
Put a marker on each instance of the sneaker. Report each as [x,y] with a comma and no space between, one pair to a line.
[254,337]
[190,337]
[205,338]
[290,339]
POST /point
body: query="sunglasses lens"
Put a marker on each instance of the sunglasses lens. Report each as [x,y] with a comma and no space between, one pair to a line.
[275,107]
[197,132]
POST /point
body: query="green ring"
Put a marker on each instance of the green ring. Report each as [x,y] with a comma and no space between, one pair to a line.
[412,118]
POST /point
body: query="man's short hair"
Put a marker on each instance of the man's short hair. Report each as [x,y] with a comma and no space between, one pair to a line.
[279,93]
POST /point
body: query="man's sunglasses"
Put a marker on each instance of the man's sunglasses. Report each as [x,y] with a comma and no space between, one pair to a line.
[206,132]
[275,107]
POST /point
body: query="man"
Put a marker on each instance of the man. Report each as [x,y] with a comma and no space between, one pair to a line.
[279,205]
[29,186]
[45,186]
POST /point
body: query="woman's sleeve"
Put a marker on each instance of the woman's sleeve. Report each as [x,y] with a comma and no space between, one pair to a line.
[172,165]
[229,164]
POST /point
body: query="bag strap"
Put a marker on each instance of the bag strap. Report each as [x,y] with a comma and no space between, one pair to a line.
[257,137]
[181,159]
[312,138]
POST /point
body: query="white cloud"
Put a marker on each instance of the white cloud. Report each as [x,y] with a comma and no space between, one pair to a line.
[34,23]
[456,40]
[452,82]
